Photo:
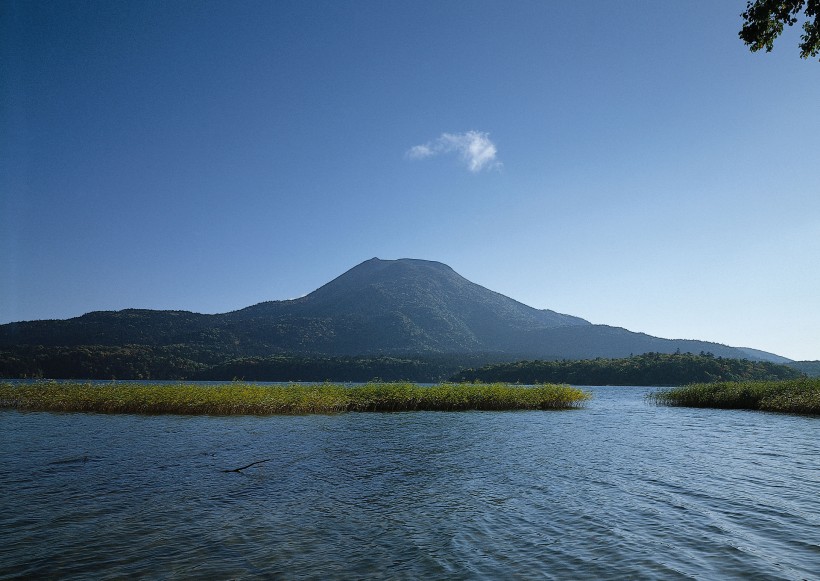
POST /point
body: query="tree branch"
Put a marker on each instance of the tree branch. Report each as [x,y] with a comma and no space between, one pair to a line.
[248,466]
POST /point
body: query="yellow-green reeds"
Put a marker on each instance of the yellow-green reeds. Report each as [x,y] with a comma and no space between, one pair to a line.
[797,396]
[254,399]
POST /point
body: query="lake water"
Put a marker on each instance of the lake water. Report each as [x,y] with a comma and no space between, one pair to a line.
[618,490]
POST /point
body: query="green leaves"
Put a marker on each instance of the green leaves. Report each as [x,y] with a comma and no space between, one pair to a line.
[764,21]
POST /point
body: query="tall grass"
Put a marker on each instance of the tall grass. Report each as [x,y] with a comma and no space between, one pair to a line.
[798,396]
[243,398]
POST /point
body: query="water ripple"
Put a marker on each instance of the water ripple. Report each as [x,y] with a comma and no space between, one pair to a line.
[619,490]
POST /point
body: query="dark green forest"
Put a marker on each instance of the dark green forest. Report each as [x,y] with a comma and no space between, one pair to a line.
[200,363]
[188,363]
[659,369]
[105,362]
[341,368]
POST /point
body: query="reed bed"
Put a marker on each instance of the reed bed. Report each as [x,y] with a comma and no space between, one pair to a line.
[251,399]
[796,396]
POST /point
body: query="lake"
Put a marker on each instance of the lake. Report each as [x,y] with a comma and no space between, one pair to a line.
[620,489]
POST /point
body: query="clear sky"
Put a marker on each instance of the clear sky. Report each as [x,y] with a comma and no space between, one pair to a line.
[630,162]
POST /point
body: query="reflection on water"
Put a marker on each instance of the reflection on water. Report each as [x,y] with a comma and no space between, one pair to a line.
[620,489]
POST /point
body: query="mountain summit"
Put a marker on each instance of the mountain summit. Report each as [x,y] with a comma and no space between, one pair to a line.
[404,307]
[409,305]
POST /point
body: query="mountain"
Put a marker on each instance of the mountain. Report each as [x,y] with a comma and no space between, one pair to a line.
[763,355]
[405,306]
[401,307]
[810,368]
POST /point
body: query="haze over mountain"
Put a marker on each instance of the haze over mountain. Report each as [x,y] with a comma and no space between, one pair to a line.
[380,307]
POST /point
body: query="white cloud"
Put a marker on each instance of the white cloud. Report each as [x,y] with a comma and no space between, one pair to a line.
[419,152]
[473,147]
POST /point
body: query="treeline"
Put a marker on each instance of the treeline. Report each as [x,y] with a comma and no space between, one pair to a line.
[341,368]
[185,362]
[647,369]
[103,362]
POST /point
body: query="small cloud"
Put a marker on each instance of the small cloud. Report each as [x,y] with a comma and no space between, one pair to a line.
[473,147]
[420,152]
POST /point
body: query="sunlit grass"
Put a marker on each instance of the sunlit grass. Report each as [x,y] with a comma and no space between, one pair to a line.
[798,396]
[253,399]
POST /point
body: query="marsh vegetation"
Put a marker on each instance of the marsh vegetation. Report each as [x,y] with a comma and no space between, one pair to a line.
[799,396]
[245,398]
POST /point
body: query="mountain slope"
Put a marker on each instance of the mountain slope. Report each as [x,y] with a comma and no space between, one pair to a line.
[758,354]
[407,307]
[129,326]
[810,368]
[401,306]
[616,342]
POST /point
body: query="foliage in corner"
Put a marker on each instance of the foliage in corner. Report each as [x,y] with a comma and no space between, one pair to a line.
[764,21]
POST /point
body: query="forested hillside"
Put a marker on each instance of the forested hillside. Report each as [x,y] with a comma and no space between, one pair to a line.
[810,368]
[183,362]
[659,369]
[394,319]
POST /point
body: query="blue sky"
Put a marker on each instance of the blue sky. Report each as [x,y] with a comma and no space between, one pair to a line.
[632,163]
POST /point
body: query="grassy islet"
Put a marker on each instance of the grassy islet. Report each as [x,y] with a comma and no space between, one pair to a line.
[797,396]
[253,399]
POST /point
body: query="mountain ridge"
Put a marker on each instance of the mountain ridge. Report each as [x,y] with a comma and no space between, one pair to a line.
[378,307]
